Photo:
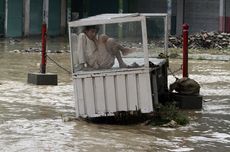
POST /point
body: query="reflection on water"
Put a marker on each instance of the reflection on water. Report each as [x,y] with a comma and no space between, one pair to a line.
[31,117]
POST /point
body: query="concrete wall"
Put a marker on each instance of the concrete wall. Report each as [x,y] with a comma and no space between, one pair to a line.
[54,17]
[152,6]
[199,14]
[20,18]
[14,18]
[155,6]
[2,17]
[202,15]
[179,16]
[35,16]
[227,17]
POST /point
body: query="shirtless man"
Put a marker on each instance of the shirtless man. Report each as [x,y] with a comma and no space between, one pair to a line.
[99,52]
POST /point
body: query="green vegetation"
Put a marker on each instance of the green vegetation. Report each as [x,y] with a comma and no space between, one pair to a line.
[169,116]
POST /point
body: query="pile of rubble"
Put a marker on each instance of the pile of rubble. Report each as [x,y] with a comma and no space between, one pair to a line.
[207,40]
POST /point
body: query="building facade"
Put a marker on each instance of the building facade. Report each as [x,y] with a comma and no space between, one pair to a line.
[205,15]
[24,17]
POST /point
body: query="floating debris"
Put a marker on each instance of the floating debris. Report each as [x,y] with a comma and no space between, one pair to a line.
[37,50]
[68,118]
[185,86]
[13,41]
[171,124]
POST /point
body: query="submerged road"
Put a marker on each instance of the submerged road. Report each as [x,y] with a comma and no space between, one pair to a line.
[31,117]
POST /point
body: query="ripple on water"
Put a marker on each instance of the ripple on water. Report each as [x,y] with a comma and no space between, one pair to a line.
[14,91]
[40,135]
[214,137]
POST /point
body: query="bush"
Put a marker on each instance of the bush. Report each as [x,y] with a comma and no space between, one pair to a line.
[167,113]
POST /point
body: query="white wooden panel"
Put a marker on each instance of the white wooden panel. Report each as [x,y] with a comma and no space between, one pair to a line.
[132,99]
[75,98]
[149,94]
[121,93]
[89,96]
[145,100]
[80,97]
[110,94]
[99,95]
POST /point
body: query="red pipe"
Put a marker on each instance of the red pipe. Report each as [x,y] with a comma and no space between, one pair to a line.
[43,61]
[185,50]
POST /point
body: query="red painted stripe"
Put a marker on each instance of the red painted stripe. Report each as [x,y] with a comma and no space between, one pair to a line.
[227,24]
[221,23]
[224,24]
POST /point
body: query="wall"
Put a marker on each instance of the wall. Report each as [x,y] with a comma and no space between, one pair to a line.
[2,17]
[36,15]
[153,6]
[202,15]
[14,18]
[227,24]
[24,17]
[85,8]
[54,19]
[102,6]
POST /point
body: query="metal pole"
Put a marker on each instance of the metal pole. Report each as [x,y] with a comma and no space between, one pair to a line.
[43,61]
[185,50]
[44,36]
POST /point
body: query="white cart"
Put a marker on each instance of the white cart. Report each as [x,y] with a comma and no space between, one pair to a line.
[104,92]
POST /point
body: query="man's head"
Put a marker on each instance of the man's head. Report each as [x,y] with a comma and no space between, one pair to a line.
[91,31]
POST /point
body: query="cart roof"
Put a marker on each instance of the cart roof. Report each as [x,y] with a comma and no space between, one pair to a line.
[113,18]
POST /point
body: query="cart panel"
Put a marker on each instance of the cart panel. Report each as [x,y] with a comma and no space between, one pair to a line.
[119,91]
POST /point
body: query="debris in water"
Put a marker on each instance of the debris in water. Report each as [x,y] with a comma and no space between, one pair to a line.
[185,86]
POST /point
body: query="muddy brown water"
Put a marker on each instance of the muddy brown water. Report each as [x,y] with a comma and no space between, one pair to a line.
[31,117]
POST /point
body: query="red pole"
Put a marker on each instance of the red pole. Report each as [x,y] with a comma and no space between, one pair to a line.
[43,61]
[185,50]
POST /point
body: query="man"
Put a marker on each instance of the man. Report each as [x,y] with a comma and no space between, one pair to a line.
[99,51]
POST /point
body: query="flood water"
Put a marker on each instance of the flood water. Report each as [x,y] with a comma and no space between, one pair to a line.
[32,117]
